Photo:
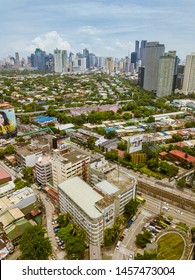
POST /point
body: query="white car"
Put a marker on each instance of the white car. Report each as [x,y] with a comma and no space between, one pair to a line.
[178,212]
[165,208]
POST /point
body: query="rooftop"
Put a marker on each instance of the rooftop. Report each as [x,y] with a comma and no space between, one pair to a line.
[70,155]
[83,195]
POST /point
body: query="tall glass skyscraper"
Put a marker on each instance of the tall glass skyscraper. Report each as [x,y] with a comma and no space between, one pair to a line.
[154,51]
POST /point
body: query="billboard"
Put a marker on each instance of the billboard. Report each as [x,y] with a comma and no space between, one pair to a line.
[8,126]
[63,143]
[109,214]
[135,143]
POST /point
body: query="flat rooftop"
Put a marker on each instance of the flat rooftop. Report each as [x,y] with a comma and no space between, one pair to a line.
[83,195]
[71,155]
[121,179]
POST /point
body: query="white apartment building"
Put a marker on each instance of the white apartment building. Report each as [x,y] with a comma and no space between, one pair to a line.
[79,199]
[67,164]
[27,156]
[43,170]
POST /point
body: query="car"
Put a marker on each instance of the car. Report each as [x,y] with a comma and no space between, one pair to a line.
[62,247]
[178,212]
[130,257]
[165,208]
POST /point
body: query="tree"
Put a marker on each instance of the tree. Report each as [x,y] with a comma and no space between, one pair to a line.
[91,142]
[111,134]
[151,119]
[131,208]
[34,245]
[146,256]
[143,238]
[64,220]
[28,174]
[112,155]
[19,183]
[181,183]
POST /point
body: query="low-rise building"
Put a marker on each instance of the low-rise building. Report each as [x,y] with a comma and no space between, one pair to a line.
[22,199]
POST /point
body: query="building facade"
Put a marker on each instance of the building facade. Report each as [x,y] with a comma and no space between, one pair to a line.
[166,74]
[189,75]
[43,170]
[68,163]
[154,51]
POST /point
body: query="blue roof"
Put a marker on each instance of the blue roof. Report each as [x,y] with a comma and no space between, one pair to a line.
[42,119]
[111,129]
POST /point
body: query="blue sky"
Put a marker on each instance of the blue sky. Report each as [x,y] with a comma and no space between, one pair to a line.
[105,27]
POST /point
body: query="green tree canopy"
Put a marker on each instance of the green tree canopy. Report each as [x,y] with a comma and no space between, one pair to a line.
[130,208]
[34,245]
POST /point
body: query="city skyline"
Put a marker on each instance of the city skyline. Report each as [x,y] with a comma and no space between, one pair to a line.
[105,28]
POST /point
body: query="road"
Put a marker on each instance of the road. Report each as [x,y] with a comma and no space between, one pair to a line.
[49,215]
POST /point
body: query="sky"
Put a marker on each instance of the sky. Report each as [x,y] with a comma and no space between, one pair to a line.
[104,27]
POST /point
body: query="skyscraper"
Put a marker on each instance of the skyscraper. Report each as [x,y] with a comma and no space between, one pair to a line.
[154,51]
[57,61]
[142,55]
[17,61]
[166,74]
[189,75]
[137,48]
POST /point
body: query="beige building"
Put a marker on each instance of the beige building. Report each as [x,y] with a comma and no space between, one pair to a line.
[79,199]
[189,75]
[69,163]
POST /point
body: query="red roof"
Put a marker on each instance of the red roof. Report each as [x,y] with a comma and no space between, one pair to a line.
[163,154]
[181,144]
[4,174]
[182,155]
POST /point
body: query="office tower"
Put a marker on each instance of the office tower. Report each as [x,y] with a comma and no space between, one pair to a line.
[40,59]
[166,74]
[127,64]
[189,74]
[58,61]
[110,64]
[154,51]
[86,54]
[142,55]
[64,60]
[141,76]
[17,61]
[137,48]
[134,58]
[180,76]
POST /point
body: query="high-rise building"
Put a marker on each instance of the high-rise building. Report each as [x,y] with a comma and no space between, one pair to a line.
[166,74]
[86,54]
[64,60]
[58,61]
[154,51]
[189,75]
[180,76]
[40,59]
[17,61]
[110,64]
[142,55]
[137,48]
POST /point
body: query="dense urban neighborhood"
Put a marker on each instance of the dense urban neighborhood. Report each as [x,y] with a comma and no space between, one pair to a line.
[93,166]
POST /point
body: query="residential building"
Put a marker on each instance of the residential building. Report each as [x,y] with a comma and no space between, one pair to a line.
[166,74]
[68,163]
[28,155]
[154,51]
[189,74]
[43,170]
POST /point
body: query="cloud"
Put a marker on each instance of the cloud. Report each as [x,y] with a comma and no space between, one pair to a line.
[49,41]
[89,30]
